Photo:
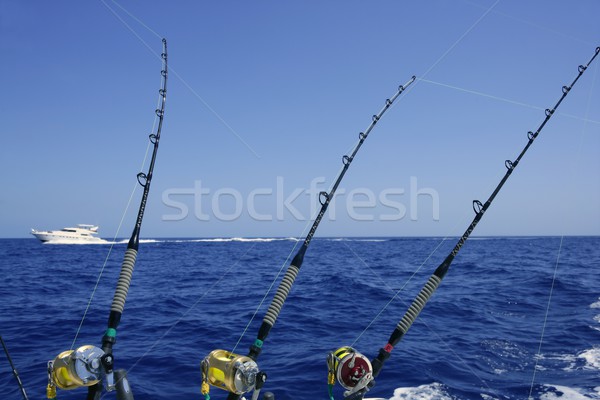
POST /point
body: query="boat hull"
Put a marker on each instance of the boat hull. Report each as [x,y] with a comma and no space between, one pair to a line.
[51,237]
[81,234]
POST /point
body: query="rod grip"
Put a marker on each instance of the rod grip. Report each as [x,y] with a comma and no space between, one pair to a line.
[281,295]
[418,304]
[118,303]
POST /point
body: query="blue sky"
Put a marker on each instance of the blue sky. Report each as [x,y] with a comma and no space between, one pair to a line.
[265,97]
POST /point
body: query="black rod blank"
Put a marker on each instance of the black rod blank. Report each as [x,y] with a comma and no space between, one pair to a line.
[14,369]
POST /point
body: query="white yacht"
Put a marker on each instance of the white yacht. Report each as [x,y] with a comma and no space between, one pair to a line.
[81,234]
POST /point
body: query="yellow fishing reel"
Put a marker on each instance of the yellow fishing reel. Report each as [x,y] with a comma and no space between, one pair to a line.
[350,369]
[76,368]
[231,372]
[85,366]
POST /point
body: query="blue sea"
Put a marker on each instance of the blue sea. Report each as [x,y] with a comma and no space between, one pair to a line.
[514,315]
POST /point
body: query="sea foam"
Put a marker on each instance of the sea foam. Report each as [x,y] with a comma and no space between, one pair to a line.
[433,391]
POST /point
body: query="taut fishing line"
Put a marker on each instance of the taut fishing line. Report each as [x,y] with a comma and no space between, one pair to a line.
[534,25]
[449,50]
[174,72]
[539,351]
[131,29]
[460,39]
[586,120]
[139,21]
[491,96]
[538,356]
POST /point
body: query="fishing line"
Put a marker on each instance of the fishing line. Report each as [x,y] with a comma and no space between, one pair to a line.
[481,94]
[534,25]
[135,185]
[539,353]
[573,165]
[217,115]
[585,121]
[490,96]
[116,235]
[174,72]
[460,38]
[135,18]
[132,30]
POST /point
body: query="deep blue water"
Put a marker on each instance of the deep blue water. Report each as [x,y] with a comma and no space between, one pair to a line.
[477,338]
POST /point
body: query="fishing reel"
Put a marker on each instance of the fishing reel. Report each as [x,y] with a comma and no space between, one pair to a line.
[85,366]
[350,369]
[231,372]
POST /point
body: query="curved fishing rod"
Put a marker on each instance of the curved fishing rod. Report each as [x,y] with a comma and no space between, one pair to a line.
[353,370]
[240,374]
[89,365]
[14,369]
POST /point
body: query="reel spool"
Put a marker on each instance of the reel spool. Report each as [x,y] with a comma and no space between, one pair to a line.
[231,372]
[350,369]
[76,368]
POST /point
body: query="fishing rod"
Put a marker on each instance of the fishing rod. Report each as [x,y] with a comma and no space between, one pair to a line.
[14,369]
[353,370]
[89,365]
[239,374]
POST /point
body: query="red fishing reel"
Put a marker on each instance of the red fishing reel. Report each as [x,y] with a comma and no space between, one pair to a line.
[350,369]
